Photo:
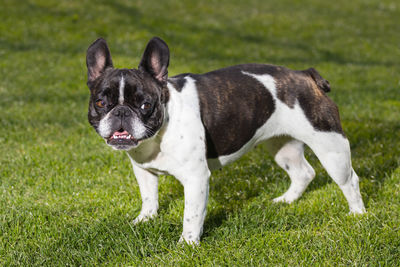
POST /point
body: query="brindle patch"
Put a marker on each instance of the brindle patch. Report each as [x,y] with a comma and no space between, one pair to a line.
[233,106]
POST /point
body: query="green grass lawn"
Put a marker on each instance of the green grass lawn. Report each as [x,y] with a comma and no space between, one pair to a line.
[67,199]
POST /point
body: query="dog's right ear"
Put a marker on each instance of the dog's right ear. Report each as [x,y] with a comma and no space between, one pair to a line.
[98,58]
[155,60]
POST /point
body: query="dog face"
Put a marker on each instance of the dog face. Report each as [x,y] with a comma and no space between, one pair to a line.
[126,105]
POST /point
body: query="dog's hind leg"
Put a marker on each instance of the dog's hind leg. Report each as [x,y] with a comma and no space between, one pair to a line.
[333,151]
[289,154]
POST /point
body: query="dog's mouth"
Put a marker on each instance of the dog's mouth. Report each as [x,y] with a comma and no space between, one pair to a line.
[122,140]
[121,135]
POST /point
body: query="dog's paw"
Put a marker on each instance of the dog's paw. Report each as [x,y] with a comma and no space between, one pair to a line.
[283,199]
[144,218]
[189,240]
[358,211]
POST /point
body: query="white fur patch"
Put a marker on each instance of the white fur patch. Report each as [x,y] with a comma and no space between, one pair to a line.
[139,129]
[121,90]
[104,128]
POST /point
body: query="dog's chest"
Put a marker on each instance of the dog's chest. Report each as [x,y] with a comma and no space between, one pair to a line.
[180,146]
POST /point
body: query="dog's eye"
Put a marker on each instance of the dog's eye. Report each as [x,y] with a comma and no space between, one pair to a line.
[145,106]
[100,103]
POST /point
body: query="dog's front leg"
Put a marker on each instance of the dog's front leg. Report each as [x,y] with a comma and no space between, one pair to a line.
[148,185]
[196,197]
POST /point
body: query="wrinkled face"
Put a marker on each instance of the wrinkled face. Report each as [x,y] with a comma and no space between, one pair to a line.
[126,105]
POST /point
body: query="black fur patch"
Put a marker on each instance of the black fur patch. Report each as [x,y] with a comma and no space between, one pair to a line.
[178,81]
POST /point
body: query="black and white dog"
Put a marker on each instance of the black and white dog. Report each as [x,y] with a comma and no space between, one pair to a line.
[190,124]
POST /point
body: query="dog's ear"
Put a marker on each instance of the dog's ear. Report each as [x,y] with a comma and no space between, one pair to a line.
[98,58]
[155,59]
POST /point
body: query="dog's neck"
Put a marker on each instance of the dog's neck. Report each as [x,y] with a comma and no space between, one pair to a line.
[149,149]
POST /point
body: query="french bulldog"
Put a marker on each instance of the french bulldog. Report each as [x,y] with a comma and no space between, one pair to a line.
[191,124]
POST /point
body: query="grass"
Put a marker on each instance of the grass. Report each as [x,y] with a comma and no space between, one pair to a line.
[67,199]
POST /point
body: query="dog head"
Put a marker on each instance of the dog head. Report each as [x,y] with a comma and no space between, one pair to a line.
[126,105]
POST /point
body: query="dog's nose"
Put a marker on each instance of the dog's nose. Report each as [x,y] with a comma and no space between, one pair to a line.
[122,111]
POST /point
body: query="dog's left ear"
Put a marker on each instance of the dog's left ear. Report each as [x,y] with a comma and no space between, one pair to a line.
[155,59]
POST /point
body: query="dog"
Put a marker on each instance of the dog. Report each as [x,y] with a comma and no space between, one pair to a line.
[191,124]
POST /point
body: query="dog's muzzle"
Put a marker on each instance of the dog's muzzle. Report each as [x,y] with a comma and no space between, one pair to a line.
[124,137]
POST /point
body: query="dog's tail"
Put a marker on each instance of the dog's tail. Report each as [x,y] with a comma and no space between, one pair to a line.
[321,82]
